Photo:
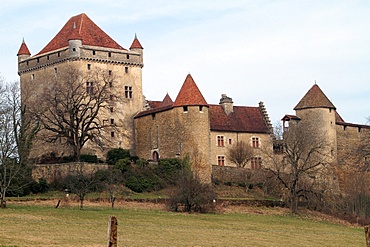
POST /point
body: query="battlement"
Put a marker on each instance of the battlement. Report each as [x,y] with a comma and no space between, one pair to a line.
[93,53]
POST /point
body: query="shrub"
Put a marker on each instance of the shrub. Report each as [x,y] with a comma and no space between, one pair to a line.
[89,158]
[116,154]
[191,195]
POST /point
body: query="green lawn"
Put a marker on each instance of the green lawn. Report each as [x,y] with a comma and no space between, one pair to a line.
[43,225]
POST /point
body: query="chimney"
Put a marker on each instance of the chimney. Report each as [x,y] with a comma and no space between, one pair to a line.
[227,104]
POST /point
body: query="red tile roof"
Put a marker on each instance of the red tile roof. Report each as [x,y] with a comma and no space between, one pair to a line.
[23,50]
[189,94]
[243,119]
[89,33]
[314,98]
[136,44]
[167,101]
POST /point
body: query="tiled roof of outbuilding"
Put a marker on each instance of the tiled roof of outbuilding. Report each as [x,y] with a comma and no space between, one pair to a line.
[23,50]
[190,94]
[314,98]
[243,119]
[89,33]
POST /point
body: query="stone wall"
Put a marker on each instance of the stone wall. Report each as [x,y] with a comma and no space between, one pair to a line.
[226,174]
[55,172]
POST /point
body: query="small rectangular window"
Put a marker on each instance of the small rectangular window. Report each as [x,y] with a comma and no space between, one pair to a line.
[126,70]
[112,121]
[128,92]
[58,53]
[109,54]
[200,108]
[255,142]
[73,49]
[38,60]
[112,134]
[256,163]
[128,56]
[110,84]
[33,77]
[93,53]
[89,87]
[221,160]
[88,66]
[56,70]
[47,57]
[109,72]
[185,108]
[153,116]
[220,141]
[230,141]
[111,109]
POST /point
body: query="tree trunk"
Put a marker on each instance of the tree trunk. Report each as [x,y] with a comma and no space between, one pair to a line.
[2,203]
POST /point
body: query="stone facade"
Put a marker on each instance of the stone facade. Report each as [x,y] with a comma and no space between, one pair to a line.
[77,50]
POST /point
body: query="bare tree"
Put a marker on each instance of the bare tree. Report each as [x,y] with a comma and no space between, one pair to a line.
[69,107]
[240,153]
[301,167]
[15,171]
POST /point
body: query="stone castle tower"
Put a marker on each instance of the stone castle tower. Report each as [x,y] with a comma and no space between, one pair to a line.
[318,114]
[81,44]
[177,129]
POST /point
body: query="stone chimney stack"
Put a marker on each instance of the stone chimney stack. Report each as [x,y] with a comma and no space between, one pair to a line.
[227,104]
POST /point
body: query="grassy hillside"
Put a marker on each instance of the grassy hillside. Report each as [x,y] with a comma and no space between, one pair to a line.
[39,224]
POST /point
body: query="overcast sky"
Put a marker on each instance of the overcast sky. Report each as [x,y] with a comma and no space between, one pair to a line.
[270,51]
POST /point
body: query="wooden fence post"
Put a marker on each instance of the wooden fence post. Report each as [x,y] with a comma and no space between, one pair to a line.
[112,231]
[367,235]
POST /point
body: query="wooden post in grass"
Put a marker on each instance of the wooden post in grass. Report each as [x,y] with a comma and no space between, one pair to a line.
[112,231]
[367,235]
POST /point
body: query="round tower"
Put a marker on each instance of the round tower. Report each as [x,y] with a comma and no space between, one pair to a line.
[193,128]
[23,52]
[318,114]
[137,47]
[74,42]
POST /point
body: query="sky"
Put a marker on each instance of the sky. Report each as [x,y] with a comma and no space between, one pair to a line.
[251,50]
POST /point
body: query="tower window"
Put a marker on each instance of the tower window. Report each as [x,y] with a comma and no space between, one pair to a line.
[55,70]
[110,84]
[38,60]
[230,141]
[128,92]
[112,121]
[112,134]
[88,66]
[47,57]
[109,72]
[111,109]
[128,56]
[153,116]
[126,70]
[200,108]
[73,49]
[33,77]
[220,141]
[109,54]
[58,53]
[221,160]
[89,87]
[185,108]
[93,53]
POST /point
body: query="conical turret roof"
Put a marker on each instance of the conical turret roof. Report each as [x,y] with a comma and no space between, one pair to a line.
[136,44]
[83,28]
[23,50]
[190,94]
[314,98]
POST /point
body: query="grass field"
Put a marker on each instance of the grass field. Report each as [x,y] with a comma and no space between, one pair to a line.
[39,224]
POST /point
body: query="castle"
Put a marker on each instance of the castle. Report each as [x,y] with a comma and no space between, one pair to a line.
[166,129]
